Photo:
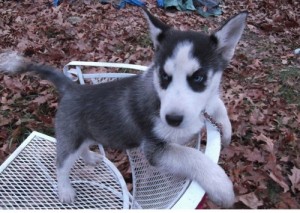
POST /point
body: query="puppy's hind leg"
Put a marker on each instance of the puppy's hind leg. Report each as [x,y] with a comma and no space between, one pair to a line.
[67,153]
[65,162]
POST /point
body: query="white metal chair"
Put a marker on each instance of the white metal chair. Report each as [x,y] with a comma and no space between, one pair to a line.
[28,179]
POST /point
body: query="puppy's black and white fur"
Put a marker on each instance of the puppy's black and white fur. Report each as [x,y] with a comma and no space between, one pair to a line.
[160,110]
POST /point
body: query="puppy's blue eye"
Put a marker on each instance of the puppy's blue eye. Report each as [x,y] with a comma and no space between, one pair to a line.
[165,76]
[198,78]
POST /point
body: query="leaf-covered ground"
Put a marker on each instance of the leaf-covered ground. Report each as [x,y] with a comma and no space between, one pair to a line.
[260,87]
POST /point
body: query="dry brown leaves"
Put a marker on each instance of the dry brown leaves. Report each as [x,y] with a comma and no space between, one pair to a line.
[260,87]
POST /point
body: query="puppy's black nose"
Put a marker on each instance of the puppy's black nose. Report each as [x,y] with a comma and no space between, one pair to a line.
[174,120]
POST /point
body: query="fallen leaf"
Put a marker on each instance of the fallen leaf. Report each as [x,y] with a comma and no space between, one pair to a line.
[4,121]
[257,117]
[250,200]
[284,159]
[269,142]
[287,202]
[12,83]
[41,99]
[254,155]
[279,181]
[295,179]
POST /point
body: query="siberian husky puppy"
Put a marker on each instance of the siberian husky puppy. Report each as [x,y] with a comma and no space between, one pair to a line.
[159,110]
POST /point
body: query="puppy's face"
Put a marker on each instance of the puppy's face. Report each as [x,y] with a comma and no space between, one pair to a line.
[187,71]
[184,82]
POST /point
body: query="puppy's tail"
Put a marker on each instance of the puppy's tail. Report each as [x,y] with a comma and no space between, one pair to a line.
[12,63]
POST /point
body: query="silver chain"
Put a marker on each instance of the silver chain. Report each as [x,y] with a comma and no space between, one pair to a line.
[211,120]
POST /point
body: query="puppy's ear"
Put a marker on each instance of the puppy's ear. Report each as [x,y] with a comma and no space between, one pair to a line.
[229,35]
[157,29]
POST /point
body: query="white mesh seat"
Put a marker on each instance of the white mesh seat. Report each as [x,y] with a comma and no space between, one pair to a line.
[28,179]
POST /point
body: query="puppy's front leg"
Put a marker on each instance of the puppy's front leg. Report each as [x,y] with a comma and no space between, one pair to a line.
[218,111]
[193,164]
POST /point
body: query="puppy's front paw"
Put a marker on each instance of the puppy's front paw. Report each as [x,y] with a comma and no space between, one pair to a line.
[227,132]
[220,188]
[66,194]
[226,139]
[224,194]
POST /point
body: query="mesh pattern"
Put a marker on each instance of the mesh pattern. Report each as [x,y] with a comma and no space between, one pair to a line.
[29,182]
[153,189]
[103,80]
